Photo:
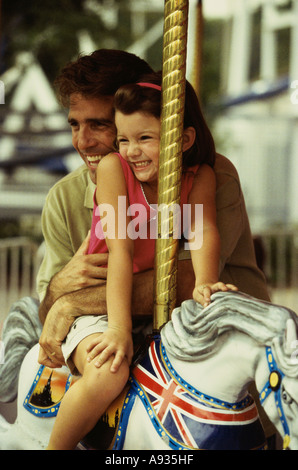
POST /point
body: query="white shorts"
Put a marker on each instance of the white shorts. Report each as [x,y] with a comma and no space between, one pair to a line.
[81,328]
[89,324]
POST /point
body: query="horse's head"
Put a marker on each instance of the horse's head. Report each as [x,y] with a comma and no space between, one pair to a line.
[289,394]
[283,386]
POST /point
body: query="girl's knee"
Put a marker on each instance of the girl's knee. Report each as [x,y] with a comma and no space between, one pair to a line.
[79,356]
[96,378]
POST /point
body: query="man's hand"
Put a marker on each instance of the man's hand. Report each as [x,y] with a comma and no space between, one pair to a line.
[47,361]
[83,270]
[55,329]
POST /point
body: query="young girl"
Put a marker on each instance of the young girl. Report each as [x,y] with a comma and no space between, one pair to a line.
[101,348]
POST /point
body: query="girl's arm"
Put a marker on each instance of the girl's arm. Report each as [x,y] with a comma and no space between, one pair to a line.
[117,339]
[205,259]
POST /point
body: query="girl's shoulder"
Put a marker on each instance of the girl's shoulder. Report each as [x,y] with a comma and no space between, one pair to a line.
[110,162]
[110,159]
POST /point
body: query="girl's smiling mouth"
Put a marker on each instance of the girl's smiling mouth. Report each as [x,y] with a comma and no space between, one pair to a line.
[140,165]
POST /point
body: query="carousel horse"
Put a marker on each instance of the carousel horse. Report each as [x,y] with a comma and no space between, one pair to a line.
[21,331]
[189,390]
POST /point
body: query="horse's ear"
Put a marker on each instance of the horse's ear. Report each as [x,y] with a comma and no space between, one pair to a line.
[291,336]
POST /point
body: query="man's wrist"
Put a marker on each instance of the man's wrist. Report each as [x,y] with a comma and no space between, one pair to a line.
[55,290]
[67,306]
[46,304]
[83,302]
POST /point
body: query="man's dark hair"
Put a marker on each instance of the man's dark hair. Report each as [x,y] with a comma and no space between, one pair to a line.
[99,74]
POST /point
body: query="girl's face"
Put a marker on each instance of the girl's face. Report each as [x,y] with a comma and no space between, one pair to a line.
[138,137]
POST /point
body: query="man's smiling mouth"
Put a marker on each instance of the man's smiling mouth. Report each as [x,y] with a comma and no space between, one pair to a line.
[93,160]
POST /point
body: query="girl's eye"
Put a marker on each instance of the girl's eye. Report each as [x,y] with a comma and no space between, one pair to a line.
[145,137]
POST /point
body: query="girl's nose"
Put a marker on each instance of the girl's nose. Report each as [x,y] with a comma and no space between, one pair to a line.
[133,149]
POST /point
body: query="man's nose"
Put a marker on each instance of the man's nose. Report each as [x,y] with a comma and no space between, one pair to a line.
[86,138]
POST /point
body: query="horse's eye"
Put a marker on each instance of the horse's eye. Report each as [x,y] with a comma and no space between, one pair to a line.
[286,398]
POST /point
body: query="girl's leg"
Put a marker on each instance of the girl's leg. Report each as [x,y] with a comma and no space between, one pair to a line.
[86,400]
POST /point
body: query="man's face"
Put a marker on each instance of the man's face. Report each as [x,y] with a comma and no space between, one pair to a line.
[93,128]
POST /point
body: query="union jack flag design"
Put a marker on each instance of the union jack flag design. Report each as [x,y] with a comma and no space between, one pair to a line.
[187,418]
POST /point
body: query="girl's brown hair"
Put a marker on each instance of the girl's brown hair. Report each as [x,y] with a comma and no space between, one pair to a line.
[133,97]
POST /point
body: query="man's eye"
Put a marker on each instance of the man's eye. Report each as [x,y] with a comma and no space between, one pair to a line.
[98,124]
[73,123]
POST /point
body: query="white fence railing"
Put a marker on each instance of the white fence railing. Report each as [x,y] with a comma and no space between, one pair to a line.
[19,262]
[280,264]
[281,257]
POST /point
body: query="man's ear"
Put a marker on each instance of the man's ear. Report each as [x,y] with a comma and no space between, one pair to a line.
[189,136]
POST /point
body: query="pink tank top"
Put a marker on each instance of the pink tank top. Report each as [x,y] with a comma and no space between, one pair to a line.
[144,219]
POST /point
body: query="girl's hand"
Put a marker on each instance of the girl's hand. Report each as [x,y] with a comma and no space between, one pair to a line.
[202,293]
[113,342]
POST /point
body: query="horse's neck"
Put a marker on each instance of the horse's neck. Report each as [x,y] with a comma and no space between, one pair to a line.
[225,374]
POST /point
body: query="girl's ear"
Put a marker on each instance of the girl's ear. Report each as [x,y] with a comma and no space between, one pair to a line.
[189,136]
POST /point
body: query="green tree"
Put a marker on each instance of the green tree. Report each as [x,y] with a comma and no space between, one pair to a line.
[48,29]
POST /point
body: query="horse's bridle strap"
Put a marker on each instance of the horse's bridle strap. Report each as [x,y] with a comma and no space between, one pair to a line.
[274,385]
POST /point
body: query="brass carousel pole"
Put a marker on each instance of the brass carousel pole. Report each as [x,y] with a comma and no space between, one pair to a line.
[170,160]
[196,72]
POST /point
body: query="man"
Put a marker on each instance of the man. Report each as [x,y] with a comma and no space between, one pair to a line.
[71,283]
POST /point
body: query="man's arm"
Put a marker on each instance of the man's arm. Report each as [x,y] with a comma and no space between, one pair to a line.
[88,301]
[92,300]
[229,207]
[60,317]
[143,288]
[81,272]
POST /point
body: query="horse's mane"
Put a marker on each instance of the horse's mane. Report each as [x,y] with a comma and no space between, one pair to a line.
[194,333]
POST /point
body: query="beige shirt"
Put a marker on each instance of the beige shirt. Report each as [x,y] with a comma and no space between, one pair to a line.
[67,216]
[237,261]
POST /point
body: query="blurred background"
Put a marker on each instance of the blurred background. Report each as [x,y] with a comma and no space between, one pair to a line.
[242,60]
